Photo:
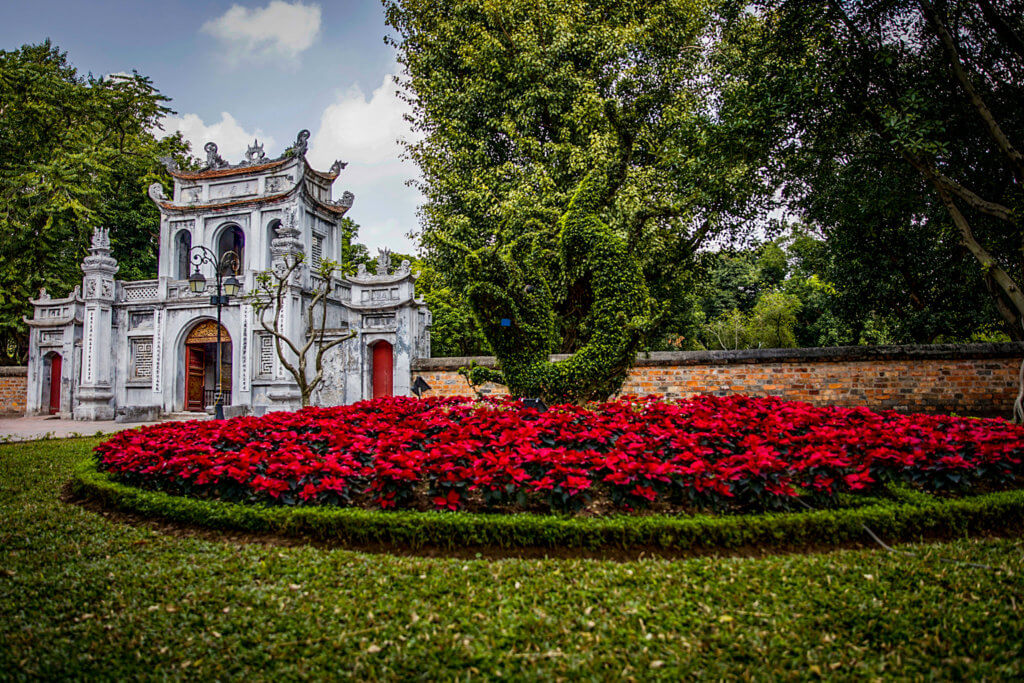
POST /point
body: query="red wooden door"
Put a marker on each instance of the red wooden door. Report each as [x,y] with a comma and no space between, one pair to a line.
[195,382]
[55,373]
[383,366]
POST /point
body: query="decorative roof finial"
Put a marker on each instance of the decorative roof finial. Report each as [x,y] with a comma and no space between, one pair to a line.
[254,154]
[213,160]
[100,239]
[301,144]
[383,261]
[338,166]
[156,192]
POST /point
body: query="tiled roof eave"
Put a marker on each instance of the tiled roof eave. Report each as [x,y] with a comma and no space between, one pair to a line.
[265,199]
[222,172]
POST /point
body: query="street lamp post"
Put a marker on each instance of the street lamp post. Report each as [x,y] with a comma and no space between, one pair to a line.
[200,255]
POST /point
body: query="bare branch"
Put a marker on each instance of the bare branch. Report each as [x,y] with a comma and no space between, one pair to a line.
[273,297]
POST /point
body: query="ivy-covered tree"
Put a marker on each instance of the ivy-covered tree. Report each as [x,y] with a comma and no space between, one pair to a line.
[75,152]
[509,98]
[514,305]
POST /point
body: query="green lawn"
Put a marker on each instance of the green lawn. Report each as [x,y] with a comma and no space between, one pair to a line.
[82,596]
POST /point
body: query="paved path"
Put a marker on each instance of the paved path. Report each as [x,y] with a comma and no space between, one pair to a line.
[29,428]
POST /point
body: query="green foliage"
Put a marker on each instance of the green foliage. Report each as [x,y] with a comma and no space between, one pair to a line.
[727,332]
[352,253]
[75,605]
[74,153]
[769,325]
[772,320]
[805,289]
[902,150]
[510,98]
[454,331]
[508,285]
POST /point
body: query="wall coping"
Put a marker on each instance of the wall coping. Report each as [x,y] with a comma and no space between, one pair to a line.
[13,371]
[826,354]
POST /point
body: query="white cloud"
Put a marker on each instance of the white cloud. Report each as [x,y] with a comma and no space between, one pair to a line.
[232,140]
[280,30]
[365,132]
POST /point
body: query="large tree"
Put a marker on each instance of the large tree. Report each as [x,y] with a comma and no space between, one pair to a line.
[510,100]
[75,152]
[896,126]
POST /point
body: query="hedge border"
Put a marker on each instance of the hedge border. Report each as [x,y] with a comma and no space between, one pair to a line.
[909,519]
[894,521]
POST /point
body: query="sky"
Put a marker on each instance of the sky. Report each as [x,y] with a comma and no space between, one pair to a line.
[267,69]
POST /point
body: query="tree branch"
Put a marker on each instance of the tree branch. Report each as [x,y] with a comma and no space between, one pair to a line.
[957,67]
[936,177]
[1000,277]
[1002,29]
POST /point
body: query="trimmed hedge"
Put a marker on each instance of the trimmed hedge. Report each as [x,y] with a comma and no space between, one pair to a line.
[909,517]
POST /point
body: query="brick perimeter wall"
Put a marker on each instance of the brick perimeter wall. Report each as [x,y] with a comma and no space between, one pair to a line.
[13,390]
[969,379]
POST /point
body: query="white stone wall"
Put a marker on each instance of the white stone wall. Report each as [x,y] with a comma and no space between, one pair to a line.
[152,319]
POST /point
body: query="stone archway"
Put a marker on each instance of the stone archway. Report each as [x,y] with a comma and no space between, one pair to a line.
[201,366]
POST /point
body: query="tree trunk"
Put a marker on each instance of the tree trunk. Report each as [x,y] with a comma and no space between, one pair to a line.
[1010,299]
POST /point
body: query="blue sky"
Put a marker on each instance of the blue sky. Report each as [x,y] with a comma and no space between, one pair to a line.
[269,68]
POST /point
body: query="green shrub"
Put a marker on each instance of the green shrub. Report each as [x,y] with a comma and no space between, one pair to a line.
[514,304]
[893,520]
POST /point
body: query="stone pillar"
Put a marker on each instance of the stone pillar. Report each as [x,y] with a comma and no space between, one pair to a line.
[96,392]
[284,249]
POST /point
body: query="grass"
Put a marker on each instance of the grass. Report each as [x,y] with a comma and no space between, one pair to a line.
[84,597]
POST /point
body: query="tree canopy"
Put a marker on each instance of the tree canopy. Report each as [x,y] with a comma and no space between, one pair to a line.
[75,152]
[510,100]
[895,128]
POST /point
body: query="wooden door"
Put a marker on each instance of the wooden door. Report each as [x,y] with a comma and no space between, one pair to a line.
[383,370]
[195,381]
[55,373]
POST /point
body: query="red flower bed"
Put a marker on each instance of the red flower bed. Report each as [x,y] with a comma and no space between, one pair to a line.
[732,453]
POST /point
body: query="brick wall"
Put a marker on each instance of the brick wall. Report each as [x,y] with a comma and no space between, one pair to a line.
[970,379]
[13,390]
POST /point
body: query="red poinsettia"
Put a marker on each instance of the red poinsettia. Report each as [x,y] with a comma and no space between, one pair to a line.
[733,453]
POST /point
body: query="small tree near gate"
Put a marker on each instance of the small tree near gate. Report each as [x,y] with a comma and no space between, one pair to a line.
[272,288]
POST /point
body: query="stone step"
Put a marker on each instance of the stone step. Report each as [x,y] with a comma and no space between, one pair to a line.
[187,416]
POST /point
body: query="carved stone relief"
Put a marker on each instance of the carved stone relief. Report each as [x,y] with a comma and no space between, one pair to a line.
[235,189]
[278,183]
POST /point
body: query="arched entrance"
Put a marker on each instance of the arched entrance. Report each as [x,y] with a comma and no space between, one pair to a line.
[201,366]
[383,369]
[52,365]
